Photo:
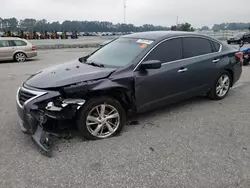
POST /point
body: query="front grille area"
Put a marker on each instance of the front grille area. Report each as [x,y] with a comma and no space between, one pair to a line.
[24,96]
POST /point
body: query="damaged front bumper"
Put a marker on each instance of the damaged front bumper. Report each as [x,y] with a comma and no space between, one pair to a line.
[31,126]
[39,116]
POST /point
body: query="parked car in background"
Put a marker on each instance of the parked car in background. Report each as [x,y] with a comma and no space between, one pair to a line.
[12,48]
[134,73]
[239,38]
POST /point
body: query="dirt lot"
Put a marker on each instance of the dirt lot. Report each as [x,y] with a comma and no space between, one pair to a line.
[197,143]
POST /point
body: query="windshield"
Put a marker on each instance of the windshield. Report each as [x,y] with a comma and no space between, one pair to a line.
[120,52]
[238,35]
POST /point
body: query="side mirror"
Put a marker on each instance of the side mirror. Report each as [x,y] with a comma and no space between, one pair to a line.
[151,64]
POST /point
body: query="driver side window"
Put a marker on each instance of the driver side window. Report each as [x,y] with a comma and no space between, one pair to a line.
[170,50]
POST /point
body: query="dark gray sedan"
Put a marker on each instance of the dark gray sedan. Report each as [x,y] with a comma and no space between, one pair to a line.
[137,72]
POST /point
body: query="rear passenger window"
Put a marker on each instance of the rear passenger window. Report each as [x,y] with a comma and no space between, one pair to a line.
[216,46]
[4,43]
[196,46]
[20,43]
[170,50]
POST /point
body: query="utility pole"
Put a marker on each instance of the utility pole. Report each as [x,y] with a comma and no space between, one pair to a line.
[125,7]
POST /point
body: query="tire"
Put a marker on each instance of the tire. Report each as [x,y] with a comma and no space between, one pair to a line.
[213,94]
[241,42]
[20,57]
[245,62]
[97,126]
[25,132]
[228,42]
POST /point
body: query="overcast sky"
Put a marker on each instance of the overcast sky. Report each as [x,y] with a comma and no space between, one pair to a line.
[158,12]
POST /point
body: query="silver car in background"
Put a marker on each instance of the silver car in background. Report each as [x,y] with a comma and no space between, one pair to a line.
[17,49]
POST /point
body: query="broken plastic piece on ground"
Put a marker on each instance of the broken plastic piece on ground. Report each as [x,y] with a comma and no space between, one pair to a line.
[43,140]
[134,122]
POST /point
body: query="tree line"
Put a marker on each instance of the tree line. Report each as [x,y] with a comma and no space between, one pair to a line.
[228,26]
[30,24]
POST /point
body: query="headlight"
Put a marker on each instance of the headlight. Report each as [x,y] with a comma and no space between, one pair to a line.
[52,106]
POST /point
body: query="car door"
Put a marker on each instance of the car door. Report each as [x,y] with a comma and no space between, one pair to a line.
[6,51]
[202,62]
[156,87]
[13,46]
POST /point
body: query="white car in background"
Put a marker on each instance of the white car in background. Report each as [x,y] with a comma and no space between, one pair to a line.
[17,49]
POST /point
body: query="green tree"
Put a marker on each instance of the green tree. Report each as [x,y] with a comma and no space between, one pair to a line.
[204,28]
[173,28]
[182,27]
[28,24]
[41,25]
[1,22]
[186,27]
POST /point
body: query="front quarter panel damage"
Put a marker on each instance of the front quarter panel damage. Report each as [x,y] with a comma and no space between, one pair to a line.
[121,88]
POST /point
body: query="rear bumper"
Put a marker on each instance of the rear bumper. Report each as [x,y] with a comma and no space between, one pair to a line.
[237,71]
[31,54]
[233,41]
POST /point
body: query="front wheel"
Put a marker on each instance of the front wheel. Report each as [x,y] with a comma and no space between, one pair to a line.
[221,87]
[101,118]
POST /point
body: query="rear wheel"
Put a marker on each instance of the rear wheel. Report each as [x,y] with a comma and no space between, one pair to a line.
[101,118]
[221,87]
[20,57]
[241,42]
[246,62]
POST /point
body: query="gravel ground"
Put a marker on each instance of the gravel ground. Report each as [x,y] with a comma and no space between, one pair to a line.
[196,143]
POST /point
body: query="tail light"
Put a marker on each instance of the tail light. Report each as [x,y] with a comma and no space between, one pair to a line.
[33,48]
[239,57]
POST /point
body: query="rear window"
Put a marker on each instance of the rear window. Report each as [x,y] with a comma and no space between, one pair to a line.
[195,46]
[4,43]
[20,43]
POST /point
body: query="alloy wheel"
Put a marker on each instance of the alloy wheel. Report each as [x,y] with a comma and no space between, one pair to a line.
[103,120]
[223,85]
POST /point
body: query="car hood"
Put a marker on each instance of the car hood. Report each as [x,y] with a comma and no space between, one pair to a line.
[66,74]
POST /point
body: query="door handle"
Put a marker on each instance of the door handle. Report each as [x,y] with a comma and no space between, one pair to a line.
[216,60]
[182,70]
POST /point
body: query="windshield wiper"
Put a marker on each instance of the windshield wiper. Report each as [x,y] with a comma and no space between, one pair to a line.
[95,64]
[83,59]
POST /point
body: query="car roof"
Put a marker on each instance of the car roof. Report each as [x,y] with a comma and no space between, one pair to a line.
[155,35]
